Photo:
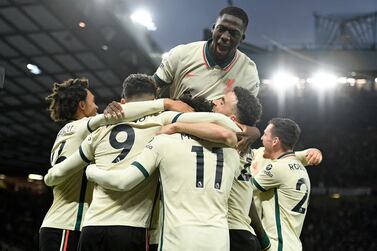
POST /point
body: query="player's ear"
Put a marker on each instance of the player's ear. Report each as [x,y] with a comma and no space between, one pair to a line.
[81,105]
[213,27]
[123,101]
[243,37]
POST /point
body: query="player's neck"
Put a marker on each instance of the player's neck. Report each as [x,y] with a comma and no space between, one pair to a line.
[284,154]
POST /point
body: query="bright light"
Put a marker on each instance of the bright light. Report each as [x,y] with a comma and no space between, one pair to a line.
[284,80]
[105,47]
[82,24]
[335,195]
[143,18]
[375,80]
[361,81]
[342,80]
[35,177]
[34,69]
[2,176]
[351,81]
[323,80]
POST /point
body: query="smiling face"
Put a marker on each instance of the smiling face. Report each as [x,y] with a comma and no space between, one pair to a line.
[227,34]
[89,105]
[269,141]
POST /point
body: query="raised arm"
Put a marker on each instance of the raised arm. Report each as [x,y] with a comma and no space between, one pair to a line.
[309,157]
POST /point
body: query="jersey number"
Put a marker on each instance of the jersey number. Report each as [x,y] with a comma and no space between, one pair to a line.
[200,166]
[125,145]
[59,158]
[298,208]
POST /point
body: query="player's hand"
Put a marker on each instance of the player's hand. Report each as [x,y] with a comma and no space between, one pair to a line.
[113,111]
[247,137]
[168,129]
[314,157]
[177,105]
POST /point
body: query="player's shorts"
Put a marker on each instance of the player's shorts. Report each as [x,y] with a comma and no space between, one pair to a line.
[113,238]
[242,240]
[54,239]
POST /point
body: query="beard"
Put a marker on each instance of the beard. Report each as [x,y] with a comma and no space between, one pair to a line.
[198,103]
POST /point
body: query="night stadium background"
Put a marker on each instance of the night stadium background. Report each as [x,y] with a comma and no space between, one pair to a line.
[329,87]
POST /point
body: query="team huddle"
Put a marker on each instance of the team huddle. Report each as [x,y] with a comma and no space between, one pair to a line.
[177,173]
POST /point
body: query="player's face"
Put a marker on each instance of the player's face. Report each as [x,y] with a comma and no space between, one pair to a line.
[90,105]
[227,34]
[267,140]
[226,105]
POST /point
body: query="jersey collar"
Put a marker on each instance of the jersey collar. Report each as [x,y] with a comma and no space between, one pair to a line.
[286,154]
[210,62]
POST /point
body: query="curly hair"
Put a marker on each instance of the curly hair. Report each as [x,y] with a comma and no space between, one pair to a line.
[249,109]
[138,84]
[65,98]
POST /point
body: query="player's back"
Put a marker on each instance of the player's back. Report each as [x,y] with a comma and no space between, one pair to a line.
[291,195]
[71,197]
[196,177]
[115,147]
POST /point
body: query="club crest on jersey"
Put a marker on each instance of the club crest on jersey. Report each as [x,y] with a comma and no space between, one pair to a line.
[267,170]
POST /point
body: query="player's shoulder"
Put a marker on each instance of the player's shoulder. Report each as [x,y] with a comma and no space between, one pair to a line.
[245,59]
[187,49]
[291,164]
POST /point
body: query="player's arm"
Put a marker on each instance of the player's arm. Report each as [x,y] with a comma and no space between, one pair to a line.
[129,177]
[207,131]
[116,112]
[71,165]
[200,117]
[256,224]
[247,137]
[268,178]
[309,157]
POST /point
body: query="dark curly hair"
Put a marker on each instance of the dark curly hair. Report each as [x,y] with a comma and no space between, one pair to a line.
[136,85]
[65,98]
[249,109]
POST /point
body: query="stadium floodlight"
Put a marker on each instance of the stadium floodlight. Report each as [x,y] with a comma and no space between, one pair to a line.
[323,80]
[284,80]
[143,18]
[35,177]
[33,69]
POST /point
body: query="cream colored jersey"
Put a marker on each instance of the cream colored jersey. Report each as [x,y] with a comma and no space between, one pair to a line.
[113,147]
[241,197]
[285,189]
[196,178]
[191,67]
[73,194]
[72,197]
